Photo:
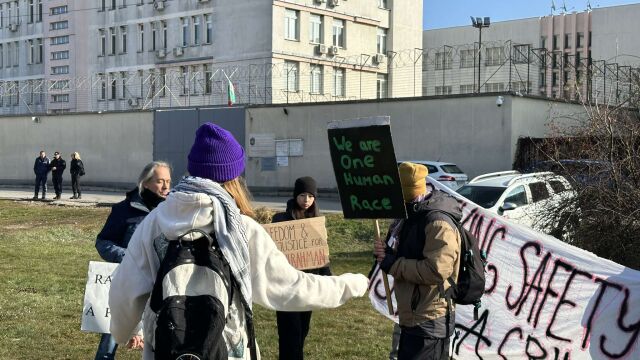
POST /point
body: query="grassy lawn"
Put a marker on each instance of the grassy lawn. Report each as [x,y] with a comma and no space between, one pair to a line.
[45,251]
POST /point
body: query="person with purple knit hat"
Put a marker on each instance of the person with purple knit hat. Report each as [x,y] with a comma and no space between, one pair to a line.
[214,198]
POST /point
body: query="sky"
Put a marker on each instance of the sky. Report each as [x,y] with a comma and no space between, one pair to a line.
[442,14]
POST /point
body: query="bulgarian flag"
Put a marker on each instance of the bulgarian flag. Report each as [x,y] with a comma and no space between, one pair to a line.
[231,93]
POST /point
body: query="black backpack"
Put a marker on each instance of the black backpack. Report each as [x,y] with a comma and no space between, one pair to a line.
[471,281]
[191,326]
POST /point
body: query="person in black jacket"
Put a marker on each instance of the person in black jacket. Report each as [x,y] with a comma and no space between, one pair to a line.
[77,170]
[293,327]
[41,169]
[153,187]
[57,166]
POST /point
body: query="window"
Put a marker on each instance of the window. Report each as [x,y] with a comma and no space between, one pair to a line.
[554,60]
[467,58]
[58,10]
[196,30]
[140,37]
[521,86]
[543,42]
[1,55]
[60,85]
[194,80]
[381,44]
[103,42]
[316,79]
[60,55]
[185,31]
[555,42]
[164,34]
[382,87]
[58,25]
[112,33]
[567,41]
[290,24]
[57,70]
[208,81]
[579,40]
[589,44]
[495,56]
[153,36]
[578,59]
[40,51]
[60,98]
[543,79]
[1,23]
[39,11]
[291,75]
[123,36]
[315,29]
[57,40]
[517,196]
[538,191]
[494,87]
[338,82]
[16,54]
[123,78]
[113,85]
[338,32]
[443,90]
[103,87]
[444,60]
[31,54]
[521,54]
[208,38]
[467,89]
[382,4]
[185,79]
[113,5]
[163,83]
[32,11]
[103,5]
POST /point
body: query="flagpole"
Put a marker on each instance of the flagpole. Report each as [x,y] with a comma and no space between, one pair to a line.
[385,280]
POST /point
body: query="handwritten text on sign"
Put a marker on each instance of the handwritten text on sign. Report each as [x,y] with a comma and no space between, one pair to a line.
[304,242]
[365,167]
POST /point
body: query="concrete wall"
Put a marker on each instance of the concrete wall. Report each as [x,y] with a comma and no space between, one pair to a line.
[615,34]
[114,147]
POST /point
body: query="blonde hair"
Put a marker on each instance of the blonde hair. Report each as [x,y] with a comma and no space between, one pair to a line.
[76,155]
[148,172]
[237,188]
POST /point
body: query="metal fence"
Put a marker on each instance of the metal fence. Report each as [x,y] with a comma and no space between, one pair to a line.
[499,66]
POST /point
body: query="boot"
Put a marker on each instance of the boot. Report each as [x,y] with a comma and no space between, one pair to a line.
[79,196]
[35,197]
[74,196]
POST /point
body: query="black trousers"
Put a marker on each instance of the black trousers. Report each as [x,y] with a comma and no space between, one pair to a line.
[414,347]
[41,180]
[293,328]
[57,183]
[75,184]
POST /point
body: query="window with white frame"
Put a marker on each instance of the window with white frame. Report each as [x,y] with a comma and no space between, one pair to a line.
[1,15]
[39,11]
[495,56]
[193,80]
[184,31]
[140,37]
[40,50]
[208,81]
[59,25]
[467,88]
[103,42]
[315,28]
[521,54]
[113,82]
[58,70]
[16,54]
[1,55]
[443,90]
[9,54]
[316,79]
[113,5]
[382,88]
[163,82]
[112,33]
[164,34]
[60,98]
[60,55]
[60,85]
[123,37]
[467,58]
[31,53]
[32,11]
[196,29]
[154,36]
[103,87]
[58,10]
[208,37]
[494,87]
[291,24]
[338,82]
[291,75]
[382,41]
[338,32]
[444,60]
[184,79]
[57,40]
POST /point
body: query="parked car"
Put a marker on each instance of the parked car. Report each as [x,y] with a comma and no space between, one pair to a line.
[523,198]
[447,173]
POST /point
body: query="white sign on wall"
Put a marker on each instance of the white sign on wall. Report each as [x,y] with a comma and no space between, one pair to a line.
[261,145]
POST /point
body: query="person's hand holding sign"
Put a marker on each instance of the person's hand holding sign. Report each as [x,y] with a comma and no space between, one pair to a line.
[379,250]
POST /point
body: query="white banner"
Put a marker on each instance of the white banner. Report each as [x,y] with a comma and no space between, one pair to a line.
[95,312]
[544,299]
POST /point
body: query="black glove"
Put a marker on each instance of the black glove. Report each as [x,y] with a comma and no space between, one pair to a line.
[389,259]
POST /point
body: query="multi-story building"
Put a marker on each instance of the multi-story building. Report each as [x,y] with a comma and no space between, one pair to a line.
[568,55]
[119,54]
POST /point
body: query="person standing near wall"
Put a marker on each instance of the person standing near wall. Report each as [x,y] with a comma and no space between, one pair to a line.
[77,170]
[41,169]
[153,187]
[293,326]
[57,168]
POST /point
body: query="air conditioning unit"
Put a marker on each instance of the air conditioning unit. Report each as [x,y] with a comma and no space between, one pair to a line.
[378,58]
[161,53]
[178,51]
[13,27]
[134,102]
[321,49]
[334,3]
[333,50]
[158,5]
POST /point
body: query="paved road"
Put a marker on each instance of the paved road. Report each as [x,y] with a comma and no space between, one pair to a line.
[108,198]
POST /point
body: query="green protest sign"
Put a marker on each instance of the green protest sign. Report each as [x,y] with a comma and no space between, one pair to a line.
[365,167]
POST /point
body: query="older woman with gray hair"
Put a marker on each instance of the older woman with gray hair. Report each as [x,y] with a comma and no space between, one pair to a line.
[153,187]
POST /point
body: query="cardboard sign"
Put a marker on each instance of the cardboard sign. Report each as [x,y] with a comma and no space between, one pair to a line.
[365,167]
[304,242]
[96,316]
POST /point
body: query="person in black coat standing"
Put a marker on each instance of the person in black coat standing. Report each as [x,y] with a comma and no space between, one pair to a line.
[77,170]
[57,166]
[41,169]
[293,327]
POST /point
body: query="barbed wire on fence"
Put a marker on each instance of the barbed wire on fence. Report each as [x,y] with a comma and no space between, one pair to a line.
[450,69]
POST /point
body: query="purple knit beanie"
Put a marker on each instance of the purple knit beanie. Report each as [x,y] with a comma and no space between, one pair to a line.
[215,154]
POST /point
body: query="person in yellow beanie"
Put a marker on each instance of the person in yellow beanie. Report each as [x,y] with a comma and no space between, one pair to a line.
[422,254]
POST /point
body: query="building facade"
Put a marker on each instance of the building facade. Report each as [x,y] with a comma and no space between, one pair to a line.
[588,55]
[104,55]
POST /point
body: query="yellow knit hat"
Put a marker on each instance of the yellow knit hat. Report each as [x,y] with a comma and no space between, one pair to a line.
[413,180]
